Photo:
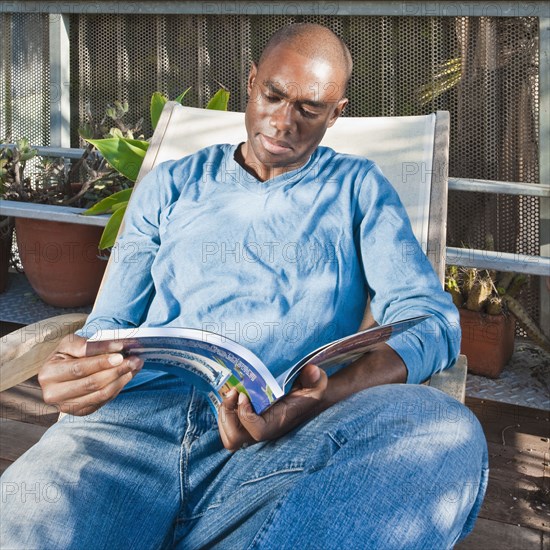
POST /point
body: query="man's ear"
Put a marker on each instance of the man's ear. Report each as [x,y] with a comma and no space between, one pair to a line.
[338,110]
[251,76]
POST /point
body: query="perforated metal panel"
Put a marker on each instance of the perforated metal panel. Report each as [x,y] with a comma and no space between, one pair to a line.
[24,73]
[493,103]
[484,70]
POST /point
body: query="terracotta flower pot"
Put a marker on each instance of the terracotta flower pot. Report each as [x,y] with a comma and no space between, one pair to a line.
[61,260]
[487,341]
[6,230]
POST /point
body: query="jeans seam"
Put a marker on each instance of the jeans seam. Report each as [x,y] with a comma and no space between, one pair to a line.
[219,503]
[187,440]
[181,520]
[339,441]
[267,476]
[265,526]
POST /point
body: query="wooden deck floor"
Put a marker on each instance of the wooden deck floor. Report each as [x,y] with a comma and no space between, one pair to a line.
[516,511]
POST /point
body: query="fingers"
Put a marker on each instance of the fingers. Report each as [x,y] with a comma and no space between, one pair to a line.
[62,367]
[75,346]
[232,432]
[239,424]
[311,377]
[82,377]
[304,401]
[80,385]
[90,403]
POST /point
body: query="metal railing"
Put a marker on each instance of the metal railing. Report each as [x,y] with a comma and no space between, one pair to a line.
[465,257]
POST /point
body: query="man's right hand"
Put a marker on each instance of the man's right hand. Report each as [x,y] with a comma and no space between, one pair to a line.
[79,385]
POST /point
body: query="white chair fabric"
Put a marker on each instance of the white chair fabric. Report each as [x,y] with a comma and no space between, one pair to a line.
[402,146]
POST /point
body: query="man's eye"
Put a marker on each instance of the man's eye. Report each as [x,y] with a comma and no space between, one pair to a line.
[309,114]
[271,98]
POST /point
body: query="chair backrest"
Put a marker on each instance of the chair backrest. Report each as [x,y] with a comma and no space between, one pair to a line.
[412,152]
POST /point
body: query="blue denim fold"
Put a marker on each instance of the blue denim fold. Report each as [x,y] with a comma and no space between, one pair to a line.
[395,466]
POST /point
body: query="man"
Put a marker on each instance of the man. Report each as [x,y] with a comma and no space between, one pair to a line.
[360,459]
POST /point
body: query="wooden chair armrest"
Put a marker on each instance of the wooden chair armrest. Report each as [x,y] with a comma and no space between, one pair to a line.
[452,381]
[25,350]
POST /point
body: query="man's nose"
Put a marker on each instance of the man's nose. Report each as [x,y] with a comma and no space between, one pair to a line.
[282,118]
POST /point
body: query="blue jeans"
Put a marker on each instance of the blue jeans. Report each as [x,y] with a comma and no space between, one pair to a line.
[397,466]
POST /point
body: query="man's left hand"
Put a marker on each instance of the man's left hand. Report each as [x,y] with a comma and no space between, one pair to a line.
[240,426]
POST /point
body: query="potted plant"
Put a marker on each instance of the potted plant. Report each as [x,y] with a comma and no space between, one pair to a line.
[489,309]
[126,155]
[61,260]
[6,230]
[12,165]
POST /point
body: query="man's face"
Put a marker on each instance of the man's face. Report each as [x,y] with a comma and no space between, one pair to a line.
[292,101]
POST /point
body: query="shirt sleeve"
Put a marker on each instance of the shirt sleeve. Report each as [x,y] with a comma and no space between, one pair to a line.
[402,282]
[127,287]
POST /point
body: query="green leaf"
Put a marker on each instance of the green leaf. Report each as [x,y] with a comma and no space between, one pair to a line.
[86,131]
[158,100]
[123,154]
[219,100]
[116,133]
[179,99]
[110,232]
[122,204]
[110,203]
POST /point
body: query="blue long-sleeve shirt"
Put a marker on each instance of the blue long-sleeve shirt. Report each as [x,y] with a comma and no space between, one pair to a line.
[281,266]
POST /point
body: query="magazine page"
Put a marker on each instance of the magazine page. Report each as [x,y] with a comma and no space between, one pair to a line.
[208,360]
[349,348]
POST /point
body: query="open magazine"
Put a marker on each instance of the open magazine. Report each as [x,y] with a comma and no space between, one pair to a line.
[216,364]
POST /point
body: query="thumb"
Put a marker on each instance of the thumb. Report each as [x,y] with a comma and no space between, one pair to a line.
[72,345]
[310,376]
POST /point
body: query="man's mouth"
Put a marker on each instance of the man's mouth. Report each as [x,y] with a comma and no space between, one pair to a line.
[273,146]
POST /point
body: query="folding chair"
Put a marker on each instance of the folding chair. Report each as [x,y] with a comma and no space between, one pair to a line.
[412,152]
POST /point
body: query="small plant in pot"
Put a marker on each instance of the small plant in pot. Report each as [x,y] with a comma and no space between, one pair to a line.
[61,260]
[103,177]
[6,231]
[125,154]
[12,174]
[489,309]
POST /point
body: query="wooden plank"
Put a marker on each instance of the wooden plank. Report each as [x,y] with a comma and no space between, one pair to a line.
[512,425]
[546,473]
[490,410]
[518,444]
[494,535]
[452,381]
[506,462]
[24,403]
[17,437]
[517,501]
[26,349]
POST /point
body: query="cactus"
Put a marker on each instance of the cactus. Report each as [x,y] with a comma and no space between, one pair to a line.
[479,294]
[468,281]
[452,286]
[494,305]
[493,293]
[526,322]
[518,282]
[503,281]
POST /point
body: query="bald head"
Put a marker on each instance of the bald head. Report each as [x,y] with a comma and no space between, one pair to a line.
[314,42]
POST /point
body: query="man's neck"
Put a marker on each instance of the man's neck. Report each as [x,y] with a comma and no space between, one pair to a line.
[261,173]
